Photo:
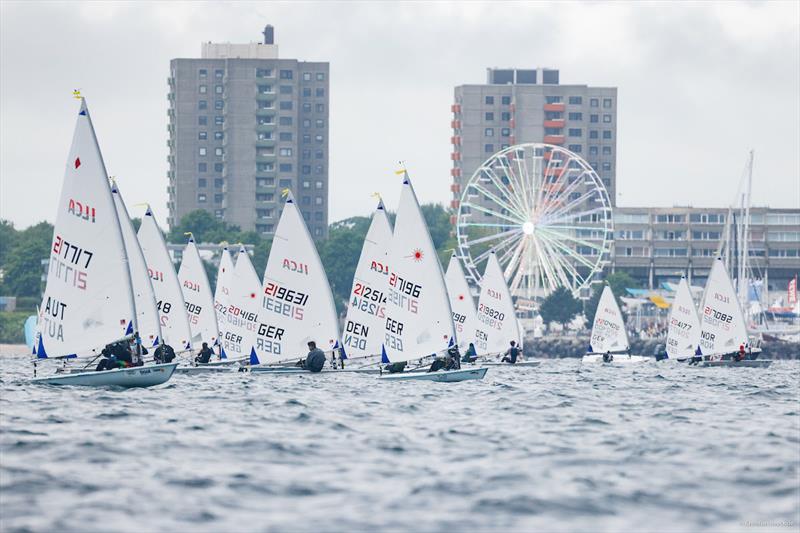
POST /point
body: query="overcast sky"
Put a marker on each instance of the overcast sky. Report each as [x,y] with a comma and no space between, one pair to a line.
[699,85]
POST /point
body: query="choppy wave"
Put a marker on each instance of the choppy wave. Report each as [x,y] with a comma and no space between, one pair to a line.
[659,447]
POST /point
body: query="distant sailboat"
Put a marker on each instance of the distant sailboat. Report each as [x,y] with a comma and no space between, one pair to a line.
[196,291]
[683,329]
[462,304]
[419,319]
[497,318]
[241,317]
[169,298]
[222,292]
[609,340]
[366,311]
[89,300]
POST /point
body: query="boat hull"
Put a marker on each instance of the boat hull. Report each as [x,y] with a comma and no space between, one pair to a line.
[278,370]
[140,376]
[747,363]
[442,376]
[521,364]
[619,359]
[203,369]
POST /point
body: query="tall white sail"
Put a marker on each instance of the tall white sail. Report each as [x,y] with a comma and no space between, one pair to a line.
[722,326]
[366,311]
[683,329]
[149,323]
[419,320]
[497,323]
[464,317]
[608,329]
[241,317]
[197,295]
[88,300]
[169,298]
[296,301]
[222,292]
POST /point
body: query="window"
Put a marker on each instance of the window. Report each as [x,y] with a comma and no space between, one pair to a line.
[306,108]
[320,108]
[265,89]
[306,201]
[606,119]
[505,100]
[670,252]
[505,132]
[488,148]
[202,150]
[552,131]
[576,148]
[305,170]
[489,100]
[575,116]
[202,135]
[218,167]
[202,167]
[707,218]
[265,167]
[606,134]
[783,236]
[552,99]
[202,104]
[593,134]
[320,93]
[307,92]
[285,121]
[319,123]
[306,76]
[285,183]
[318,184]
[219,73]
[287,74]
[489,116]
[606,150]
[488,132]
[285,167]
[218,151]
[203,73]
[607,103]
[594,119]
[505,116]
[575,100]
[218,104]
[203,89]
[263,73]
[594,102]
[219,120]
[201,198]
[318,216]
[285,136]
[319,170]
[264,135]
[266,104]
[320,76]
[319,154]
[306,123]
[202,120]
[218,135]
[631,218]
[575,132]
[780,219]
[286,106]
[306,184]
[306,139]
[593,150]
[218,89]
[202,182]
[670,219]
[285,152]
[218,183]
[285,89]
[318,200]
[318,138]
[606,165]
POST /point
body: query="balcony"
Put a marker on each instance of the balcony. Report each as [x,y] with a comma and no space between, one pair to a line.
[455,172]
[455,140]
[455,156]
[455,187]
[554,139]
[555,107]
[555,123]
[455,108]
[454,204]
[455,124]
[512,123]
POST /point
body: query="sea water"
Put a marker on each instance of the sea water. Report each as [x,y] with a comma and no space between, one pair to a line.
[561,447]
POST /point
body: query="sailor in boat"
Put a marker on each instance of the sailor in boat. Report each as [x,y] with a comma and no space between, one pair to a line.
[607,357]
[119,355]
[471,355]
[511,354]
[204,355]
[315,359]
[394,368]
[450,361]
[164,354]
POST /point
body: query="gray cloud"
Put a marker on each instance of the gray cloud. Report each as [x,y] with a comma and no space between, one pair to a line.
[699,85]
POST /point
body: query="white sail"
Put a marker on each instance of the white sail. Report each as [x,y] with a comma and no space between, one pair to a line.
[296,301]
[608,329]
[722,326]
[197,295]
[222,292]
[462,304]
[497,323]
[149,324]
[88,299]
[169,298]
[366,310]
[241,316]
[683,329]
[419,320]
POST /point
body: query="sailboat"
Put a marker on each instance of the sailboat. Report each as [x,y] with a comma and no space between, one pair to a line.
[419,319]
[609,342]
[683,329]
[462,304]
[171,306]
[89,299]
[723,332]
[497,324]
[362,337]
[240,318]
[222,292]
[296,300]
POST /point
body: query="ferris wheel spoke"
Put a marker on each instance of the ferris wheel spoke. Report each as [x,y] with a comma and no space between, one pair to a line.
[519,159]
[573,204]
[504,190]
[577,215]
[547,265]
[514,181]
[567,270]
[568,250]
[495,236]
[569,189]
[485,225]
[490,212]
[502,245]
[508,207]
[568,237]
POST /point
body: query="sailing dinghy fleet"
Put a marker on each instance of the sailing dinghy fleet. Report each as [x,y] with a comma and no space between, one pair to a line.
[108,286]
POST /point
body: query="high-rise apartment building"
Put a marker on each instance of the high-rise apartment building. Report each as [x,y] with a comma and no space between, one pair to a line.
[244,125]
[518,106]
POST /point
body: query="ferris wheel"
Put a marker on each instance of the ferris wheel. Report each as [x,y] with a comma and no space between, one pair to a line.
[544,212]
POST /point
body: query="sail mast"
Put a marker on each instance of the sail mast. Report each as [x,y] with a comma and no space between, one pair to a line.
[743,279]
[128,281]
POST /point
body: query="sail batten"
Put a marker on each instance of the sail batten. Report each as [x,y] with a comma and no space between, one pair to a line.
[683,329]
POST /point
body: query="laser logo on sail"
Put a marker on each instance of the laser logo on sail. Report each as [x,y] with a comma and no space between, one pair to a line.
[295,266]
[82,211]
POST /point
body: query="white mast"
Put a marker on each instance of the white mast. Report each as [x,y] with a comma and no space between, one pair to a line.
[743,278]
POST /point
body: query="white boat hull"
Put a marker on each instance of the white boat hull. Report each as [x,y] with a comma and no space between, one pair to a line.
[442,376]
[619,359]
[523,364]
[140,376]
[276,370]
[203,369]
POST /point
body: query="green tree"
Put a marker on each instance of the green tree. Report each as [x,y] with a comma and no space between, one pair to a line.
[260,255]
[205,227]
[23,266]
[560,306]
[339,254]
[618,282]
